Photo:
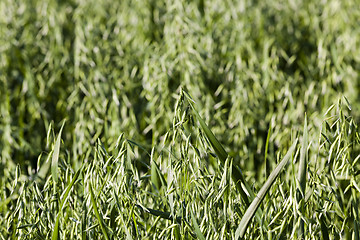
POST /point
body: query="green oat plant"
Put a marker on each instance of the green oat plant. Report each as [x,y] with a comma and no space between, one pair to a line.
[109,197]
[114,71]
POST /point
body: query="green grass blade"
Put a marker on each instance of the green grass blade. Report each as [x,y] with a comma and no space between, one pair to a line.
[237,175]
[101,221]
[55,157]
[48,135]
[267,148]
[154,175]
[64,198]
[355,211]
[218,148]
[197,228]
[157,178]
[356,230]
[164,215]
[302,177]
[303,159]
[250,212]
[44,169]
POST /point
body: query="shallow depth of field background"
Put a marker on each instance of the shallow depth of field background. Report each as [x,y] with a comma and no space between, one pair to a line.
[114,70]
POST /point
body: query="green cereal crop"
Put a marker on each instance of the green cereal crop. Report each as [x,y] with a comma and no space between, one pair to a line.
[179,119]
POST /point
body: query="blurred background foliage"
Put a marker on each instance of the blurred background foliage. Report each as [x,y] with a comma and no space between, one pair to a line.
[112,67]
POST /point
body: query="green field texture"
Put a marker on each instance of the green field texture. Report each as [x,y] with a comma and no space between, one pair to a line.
[179,119]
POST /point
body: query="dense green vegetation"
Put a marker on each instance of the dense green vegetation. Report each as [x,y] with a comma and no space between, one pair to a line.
[179,119]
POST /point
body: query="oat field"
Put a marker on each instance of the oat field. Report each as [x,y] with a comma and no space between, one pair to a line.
[179,119]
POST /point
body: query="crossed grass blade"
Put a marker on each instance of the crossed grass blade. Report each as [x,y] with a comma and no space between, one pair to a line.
[250,212]
[237,175]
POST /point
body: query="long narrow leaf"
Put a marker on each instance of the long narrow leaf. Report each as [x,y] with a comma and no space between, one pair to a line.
[267,148]
[237,175]
[302,177]
[164,215]
[64,198]
[100,219]
[240,231]
[303,160]
[197,228]
[55,157]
